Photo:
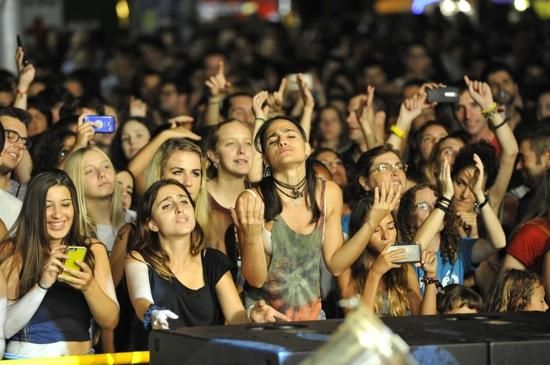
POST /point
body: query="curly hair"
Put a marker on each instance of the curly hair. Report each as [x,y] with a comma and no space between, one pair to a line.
[486,152]
[395,280]
[450,236]
[512,291]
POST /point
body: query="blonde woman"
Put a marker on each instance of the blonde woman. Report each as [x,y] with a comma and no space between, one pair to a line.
[94,177]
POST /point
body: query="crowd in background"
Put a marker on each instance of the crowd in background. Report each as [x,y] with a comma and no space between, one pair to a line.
[260,173]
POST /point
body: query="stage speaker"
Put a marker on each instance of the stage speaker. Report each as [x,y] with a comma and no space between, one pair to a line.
[503,338]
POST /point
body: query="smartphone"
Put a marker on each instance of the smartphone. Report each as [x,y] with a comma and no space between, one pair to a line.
[75,253]
[102,123]
[20,44]
[413,251]
[443,95]
[292,81]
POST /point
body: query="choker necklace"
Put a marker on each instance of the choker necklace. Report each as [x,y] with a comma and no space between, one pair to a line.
[296,190]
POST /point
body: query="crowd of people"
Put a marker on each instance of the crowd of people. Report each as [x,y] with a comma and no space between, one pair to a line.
[255,178]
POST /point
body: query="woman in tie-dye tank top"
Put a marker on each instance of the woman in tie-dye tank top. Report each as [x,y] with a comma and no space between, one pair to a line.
[286,224]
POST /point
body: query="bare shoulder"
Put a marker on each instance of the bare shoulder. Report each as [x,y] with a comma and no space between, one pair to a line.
[134,256]
[332,189]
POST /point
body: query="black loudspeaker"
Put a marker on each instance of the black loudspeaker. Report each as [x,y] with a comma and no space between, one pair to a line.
[503,338]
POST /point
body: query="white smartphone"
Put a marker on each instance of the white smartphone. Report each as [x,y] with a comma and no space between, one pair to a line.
[292,81]
[413,251]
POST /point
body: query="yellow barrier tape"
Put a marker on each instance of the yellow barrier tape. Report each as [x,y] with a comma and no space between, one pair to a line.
[101,359]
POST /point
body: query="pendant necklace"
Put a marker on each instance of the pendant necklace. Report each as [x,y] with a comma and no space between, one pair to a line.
[296,191]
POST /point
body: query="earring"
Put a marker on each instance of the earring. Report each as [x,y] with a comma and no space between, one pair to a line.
[267,171]
[215,164]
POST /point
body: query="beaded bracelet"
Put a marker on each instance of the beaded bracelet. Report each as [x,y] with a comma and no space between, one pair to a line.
[427,281]
[149,313]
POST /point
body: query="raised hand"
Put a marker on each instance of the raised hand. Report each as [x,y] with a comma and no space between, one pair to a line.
[386,260]
[53,266]
[366,109]
[218,84]
[259,105]
[264,313]
[138,108]
[444,180]
[480,92]
[477,184]
[78,279]
[159,319]
[85,132]
[385,201]
[26,72]
[412,107]
[429,263]
[275,100]
[248,215]
[180,128]
[305,92]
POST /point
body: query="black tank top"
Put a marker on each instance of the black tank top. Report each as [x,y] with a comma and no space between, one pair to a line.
[198,307]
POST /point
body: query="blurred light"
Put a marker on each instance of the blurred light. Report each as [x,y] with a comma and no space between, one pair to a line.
[122,12]
[448,7]
[418,6]
[464,6]
[521,5]
[285,6]
[249,8]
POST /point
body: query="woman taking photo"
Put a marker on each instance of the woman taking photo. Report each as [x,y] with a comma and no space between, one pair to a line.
[281,244]
[386,287]
[173,279]
[49,314]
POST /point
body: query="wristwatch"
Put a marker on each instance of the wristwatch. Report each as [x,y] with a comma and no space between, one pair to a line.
[478,205]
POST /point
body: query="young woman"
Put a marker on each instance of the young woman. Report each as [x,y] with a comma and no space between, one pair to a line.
[125,181]
[173,279]
[445,150]
[517,291]
[229,149]
[49,315]
[385,286]
[380,166]
[331,131]
[94,177]
[428,218]
[132,135]
[281,244]
[422,144]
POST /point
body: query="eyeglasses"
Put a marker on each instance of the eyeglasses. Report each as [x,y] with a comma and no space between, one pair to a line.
[385,168]
[425,206]
[15,137]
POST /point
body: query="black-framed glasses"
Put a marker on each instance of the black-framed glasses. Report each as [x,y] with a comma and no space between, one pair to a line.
[385,168]
[15,137]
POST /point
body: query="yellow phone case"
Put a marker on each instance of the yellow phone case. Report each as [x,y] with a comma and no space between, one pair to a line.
[75,253]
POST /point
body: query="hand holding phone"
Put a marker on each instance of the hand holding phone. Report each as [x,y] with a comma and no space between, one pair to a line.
[443,95]
[74,253]
[292,81]
[20,44]
[413,253]
[101,123]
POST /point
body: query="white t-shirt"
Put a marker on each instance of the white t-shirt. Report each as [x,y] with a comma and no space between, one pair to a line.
[10,208]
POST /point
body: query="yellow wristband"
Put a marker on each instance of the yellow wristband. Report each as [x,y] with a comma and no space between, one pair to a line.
[490,109]
[397,131]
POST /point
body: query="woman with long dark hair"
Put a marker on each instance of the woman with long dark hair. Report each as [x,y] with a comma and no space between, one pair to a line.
[172,277]
[49,314]
[288,221]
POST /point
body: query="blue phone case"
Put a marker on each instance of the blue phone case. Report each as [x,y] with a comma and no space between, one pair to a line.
[102,123]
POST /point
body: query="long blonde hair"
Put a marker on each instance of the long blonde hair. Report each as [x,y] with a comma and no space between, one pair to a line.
[74,168]
[153,173]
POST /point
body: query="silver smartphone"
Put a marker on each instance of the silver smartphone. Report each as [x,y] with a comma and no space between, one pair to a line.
[413,252]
